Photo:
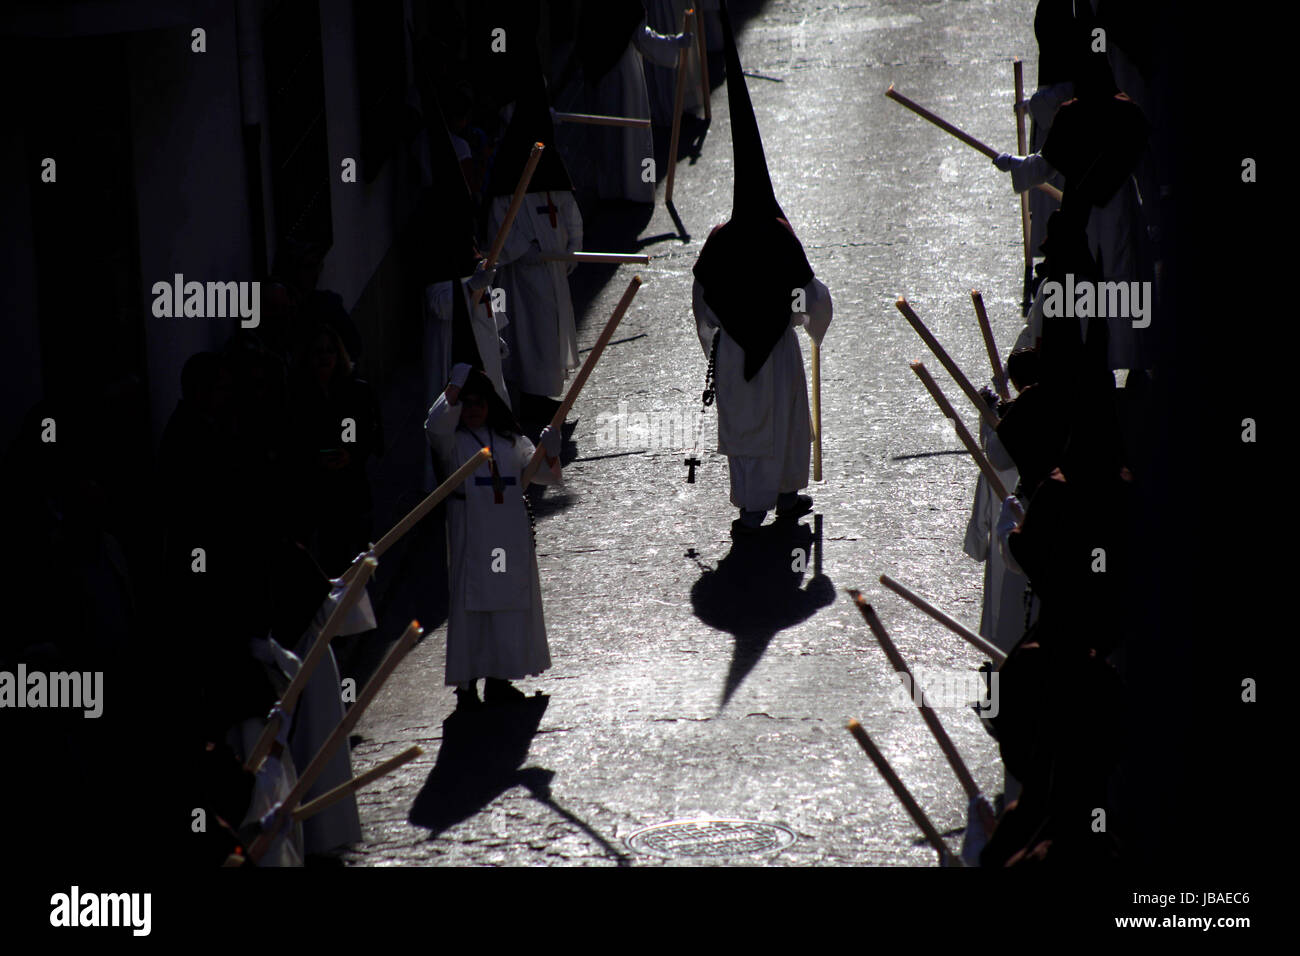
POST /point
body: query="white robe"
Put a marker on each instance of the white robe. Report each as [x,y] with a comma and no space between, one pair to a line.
[1002,619]
[319,710]
[495,626]
[764,427]
[542,334]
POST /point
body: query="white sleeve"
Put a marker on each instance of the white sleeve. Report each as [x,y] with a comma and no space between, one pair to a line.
[706,323]
[443,419]
[1033,171]
[524,449]
[819,309]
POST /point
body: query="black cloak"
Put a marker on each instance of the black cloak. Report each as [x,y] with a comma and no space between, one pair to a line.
[751,265]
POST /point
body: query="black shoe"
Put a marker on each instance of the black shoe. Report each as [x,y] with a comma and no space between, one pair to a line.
[802,505]
[467,699]
[741,530]
[496,691]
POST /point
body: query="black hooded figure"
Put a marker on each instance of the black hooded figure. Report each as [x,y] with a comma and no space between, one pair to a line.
[612,39]
[541,334]
[447,258]
[753,286]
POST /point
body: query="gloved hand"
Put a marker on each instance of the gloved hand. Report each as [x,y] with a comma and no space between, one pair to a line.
[1045,102]
[459,374]
[1009,516]
[1004,161]
[482,277]
[683,41]
[549,439]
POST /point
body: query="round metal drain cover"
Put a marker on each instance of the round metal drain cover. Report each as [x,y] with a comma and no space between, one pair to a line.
[711,838]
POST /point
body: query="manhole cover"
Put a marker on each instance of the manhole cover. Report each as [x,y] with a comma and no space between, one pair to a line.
[711,838]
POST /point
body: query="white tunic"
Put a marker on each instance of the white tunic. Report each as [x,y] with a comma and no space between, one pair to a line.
[763,424]
[495,626]
[1002,620]
[319,710]
[542,335]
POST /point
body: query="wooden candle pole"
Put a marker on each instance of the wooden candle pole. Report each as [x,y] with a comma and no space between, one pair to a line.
[599,258]
[918,696]
[337,738]
[990,346]
[327,800]
[817,410]
[423,508]
[961,134]
[592,119]
[517,200]
[905,798]
[680,99]
[972,446]
[703,45]
[995,654]
[1022,149]
[958,376]
[557,420]
[289,700]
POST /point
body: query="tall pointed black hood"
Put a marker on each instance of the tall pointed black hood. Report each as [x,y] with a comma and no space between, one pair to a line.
[444,245]
[529,123]
[751,266]
[604,31]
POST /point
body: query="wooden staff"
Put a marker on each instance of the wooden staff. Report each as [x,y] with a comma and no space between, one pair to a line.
[289,699]
[999,373]
[900,791]
[517,200]
[971,445]
[961,134]
[592,119]
[557,420]
[958,376]
[424,507]
[338,737]
[327,800]
[599,258]
[675,141]
[997,655]
[704,65]
[817,410]
[1022,148]
[927,712]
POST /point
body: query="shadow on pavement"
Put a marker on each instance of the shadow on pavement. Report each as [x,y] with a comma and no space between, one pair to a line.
[755,592]
[481,753]
[481,758]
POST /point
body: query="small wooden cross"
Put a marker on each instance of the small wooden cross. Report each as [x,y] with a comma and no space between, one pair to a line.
[691,464]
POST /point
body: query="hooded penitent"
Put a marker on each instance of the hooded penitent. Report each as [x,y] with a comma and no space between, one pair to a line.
[529,123]
[445,247]
[751,266]
[1096,141]
[604,31]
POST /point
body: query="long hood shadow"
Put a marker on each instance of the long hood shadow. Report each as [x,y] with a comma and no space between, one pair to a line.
[755,592]
[480,758]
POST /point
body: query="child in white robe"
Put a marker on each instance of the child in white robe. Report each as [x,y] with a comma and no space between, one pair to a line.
[495,626]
